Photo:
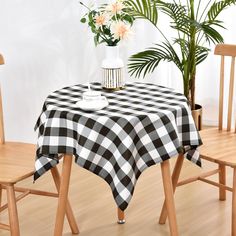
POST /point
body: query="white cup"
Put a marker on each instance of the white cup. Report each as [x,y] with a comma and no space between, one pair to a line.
[92,95]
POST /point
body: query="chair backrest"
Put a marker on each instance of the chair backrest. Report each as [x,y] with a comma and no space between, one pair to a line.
[226,50]
[2,138]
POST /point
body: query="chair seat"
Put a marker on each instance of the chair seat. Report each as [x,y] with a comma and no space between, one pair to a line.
[218,146]
[16,161]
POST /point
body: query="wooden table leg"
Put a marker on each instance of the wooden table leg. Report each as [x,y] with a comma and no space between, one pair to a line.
[69,213]
[234,205]
[169,196]
[175,178]
[63,195]
[121,216]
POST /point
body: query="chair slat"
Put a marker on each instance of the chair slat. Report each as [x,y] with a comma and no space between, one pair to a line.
[226,50]
[231,94]
[2,136]
[1,60]
[235,126]
[221,107]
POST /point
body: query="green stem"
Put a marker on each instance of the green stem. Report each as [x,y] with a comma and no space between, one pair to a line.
[105,39]
[186,84]
[163,35]
[85,6]
[178,32]
[191,66]
[199,39]
[188,5]
[160,32]
[199,4]
[103,36]
[204,10]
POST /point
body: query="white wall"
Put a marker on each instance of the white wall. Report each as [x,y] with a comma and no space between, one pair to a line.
[46,47]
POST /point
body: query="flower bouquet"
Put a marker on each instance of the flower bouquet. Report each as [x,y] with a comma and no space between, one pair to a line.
[110,23]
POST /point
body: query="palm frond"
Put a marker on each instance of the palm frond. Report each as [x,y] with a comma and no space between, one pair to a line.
[211,34]
[143,9]
[146,61]
[218,7]
[179,15]
[201,54]
[184,45]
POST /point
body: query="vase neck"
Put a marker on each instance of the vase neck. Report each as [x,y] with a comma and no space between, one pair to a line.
[112,52]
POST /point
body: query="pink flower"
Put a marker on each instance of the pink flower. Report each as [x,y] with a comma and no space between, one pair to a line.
[101,20]
[121,30]
[116,7]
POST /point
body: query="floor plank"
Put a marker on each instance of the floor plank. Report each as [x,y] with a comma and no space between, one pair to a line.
[198,210]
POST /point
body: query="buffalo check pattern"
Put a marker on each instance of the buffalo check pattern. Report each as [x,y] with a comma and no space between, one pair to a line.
[143,125]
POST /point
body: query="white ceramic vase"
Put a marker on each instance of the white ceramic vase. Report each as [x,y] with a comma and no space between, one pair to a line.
[112,69]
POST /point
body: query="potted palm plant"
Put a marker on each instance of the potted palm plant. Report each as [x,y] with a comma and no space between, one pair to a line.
[196,25]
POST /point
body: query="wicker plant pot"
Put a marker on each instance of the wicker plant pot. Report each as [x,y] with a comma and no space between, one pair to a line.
[197,116]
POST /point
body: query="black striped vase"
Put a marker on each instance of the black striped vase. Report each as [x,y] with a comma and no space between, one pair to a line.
[113,78]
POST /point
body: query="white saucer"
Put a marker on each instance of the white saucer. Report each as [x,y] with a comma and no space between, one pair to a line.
[92,105]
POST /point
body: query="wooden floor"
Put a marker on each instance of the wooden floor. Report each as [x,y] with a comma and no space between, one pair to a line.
[199,213]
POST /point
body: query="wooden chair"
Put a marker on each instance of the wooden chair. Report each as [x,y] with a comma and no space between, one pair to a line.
[17,164]
[219,145]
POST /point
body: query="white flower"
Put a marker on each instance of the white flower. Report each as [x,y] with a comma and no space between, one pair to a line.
[116,7]
[121,30]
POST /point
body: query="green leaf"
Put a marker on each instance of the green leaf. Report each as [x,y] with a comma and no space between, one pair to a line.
[91,15]
[128,19]
[106,31]
[184,46]
[218,7]
[211,34]
[179,15]
[93,29]
[201,54]
[83,20]
[143,9]
[146,61]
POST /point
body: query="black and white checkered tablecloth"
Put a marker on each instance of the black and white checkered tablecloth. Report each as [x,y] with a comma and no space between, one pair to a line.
[144,124]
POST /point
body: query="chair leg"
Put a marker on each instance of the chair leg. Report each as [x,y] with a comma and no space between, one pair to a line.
[12,210]
[169,196]
[63,195]
[222,180]
[121,216]
[69,213]
[0,195]
[175,178]
[234,205]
